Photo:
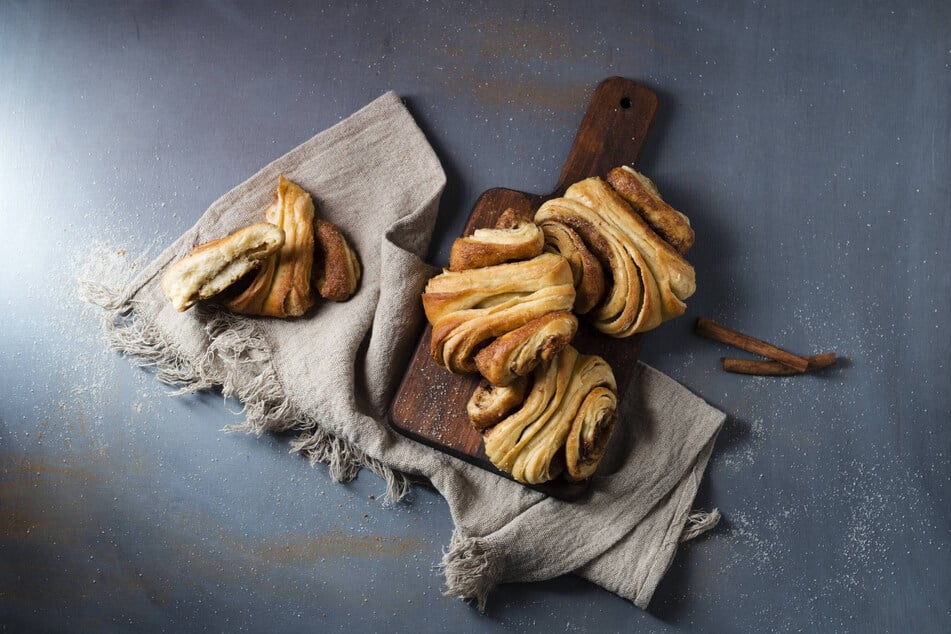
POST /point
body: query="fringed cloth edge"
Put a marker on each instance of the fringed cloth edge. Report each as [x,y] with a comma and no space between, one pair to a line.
[469,568]
[236,352]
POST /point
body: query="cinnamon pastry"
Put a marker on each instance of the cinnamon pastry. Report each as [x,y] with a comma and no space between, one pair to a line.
[282,286]
[642,194]
[513,238]
[469,308]
[530,443]
[337,272]
[649,278]
[214,266]
[629,302]
[516,353]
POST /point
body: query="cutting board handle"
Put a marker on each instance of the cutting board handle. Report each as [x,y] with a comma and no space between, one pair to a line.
[612,132]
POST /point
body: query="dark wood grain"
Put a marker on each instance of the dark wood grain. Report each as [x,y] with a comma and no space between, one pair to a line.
[430,405]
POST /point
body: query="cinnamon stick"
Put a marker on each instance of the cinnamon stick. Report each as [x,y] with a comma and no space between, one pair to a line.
[774,368]
[712,330]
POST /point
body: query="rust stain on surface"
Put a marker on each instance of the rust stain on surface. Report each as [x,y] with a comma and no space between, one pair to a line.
[291,549]
[19,524]
[26,468]
[527,92]
[518,41]
[519,63]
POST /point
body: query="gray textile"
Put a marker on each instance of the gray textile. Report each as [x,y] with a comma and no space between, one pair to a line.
[330,376]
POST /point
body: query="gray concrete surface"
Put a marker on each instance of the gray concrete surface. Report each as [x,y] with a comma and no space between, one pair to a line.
[807,141]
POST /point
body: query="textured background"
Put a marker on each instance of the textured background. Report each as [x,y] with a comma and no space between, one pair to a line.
[807,141]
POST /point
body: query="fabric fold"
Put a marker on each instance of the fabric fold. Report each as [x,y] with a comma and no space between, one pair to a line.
[329,377]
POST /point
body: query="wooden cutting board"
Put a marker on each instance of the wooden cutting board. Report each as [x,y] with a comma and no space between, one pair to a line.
[430,406]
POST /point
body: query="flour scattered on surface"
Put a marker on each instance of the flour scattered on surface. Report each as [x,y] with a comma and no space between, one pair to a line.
[94,376]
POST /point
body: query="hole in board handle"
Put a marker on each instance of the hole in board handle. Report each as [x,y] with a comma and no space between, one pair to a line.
[625,102]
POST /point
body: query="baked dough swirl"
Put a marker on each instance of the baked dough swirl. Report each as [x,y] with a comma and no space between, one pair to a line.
[489,403]
[590,432]
[469,308]
[513,238]
[586,270]
[649,279]
[612,252]
[566,395]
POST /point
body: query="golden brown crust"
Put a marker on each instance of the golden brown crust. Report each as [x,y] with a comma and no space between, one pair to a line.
[665,261]
[513,238]
[504,321]
[643,196]
[629,301]
[453,291]
[214,266]
[516,353]
[338,270]
[282,287]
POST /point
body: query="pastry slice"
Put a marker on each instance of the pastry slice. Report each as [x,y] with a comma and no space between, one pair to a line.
[675,276]
[214,266]
[337,271]
[489,404]
[475,289]
[630,300]
[469,308]
[590,432]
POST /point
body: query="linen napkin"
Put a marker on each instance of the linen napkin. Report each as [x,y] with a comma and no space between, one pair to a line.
[330,375]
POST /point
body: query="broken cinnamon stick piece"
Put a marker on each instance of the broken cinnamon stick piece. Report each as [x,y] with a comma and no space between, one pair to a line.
[774,368]
[718,332]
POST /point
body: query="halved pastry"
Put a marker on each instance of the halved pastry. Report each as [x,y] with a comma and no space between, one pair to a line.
[337,271]
[214,266]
